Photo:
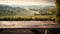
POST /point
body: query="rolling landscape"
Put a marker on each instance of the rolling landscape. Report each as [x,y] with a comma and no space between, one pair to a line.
[26,12]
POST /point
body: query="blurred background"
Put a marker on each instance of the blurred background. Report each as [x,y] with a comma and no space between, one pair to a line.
[30,10]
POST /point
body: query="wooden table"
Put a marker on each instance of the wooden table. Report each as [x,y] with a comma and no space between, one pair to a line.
[29,25]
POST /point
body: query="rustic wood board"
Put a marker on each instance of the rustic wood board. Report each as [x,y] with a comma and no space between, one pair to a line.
[28,24]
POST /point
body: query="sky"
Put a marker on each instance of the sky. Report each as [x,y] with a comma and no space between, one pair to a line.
[27,2]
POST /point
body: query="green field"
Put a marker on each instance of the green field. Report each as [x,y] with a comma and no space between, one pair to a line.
[34,12]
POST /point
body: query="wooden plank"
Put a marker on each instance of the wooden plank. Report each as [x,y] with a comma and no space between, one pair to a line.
[28,24]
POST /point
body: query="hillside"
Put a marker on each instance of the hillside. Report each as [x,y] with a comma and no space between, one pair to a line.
[6,10]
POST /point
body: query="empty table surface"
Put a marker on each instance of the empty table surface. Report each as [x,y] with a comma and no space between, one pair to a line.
[29,24]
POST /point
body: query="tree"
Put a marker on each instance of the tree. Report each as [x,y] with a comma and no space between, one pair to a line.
[58,10]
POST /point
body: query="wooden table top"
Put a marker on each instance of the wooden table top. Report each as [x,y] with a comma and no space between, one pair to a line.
[29,24]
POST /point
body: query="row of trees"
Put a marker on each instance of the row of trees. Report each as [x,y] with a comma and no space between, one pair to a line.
[24,19]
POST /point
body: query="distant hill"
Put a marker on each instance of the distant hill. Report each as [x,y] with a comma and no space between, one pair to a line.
[6,10]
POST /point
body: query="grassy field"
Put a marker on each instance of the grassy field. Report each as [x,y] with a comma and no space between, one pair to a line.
[23,18]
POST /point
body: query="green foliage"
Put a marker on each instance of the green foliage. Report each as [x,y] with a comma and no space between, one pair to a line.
[42,12]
